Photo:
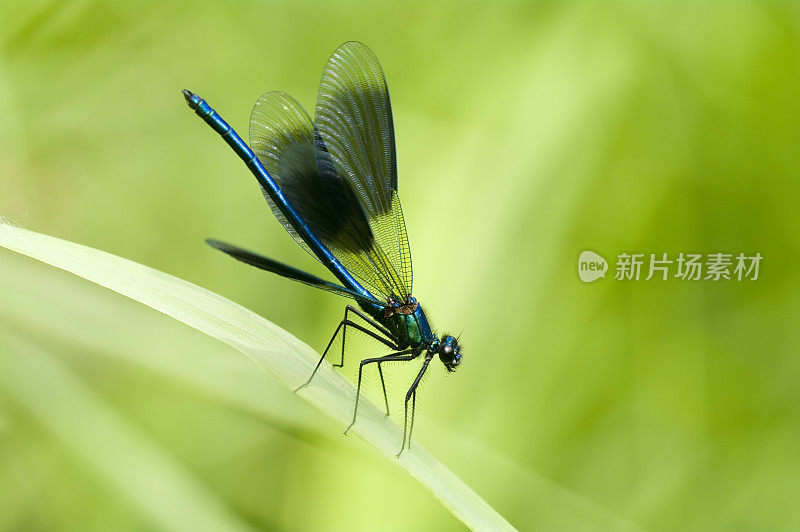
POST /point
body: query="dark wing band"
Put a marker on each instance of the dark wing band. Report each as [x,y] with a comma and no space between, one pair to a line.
[267,264]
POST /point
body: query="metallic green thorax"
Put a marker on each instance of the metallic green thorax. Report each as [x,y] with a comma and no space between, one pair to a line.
[411,330]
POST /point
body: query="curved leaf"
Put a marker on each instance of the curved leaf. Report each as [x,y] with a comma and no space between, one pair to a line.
[283,356]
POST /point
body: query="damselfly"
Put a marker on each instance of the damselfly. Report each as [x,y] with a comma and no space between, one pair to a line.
[332,183]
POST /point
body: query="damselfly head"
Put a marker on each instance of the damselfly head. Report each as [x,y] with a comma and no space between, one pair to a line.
[450,352]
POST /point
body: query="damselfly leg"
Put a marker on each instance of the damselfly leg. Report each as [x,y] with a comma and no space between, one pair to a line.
[387,339]
[412,395]
[401,356]
[413,411]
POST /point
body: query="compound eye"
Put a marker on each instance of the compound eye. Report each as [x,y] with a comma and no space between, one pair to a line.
[447,351]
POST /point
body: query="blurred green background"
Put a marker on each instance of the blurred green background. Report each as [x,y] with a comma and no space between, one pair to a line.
[526,132]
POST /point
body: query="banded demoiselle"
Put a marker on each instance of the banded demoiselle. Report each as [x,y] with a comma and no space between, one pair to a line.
[332,183]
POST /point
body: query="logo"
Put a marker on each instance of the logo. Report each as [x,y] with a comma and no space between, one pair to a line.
[715,267]
[591,266]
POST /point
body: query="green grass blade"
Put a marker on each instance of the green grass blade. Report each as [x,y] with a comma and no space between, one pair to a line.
[284,357]
[101,327]
[114,449]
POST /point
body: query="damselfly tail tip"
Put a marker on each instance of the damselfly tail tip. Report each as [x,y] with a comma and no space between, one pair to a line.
[191,98]
[214,243]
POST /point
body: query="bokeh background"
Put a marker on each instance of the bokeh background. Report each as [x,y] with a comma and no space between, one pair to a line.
[527,132]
